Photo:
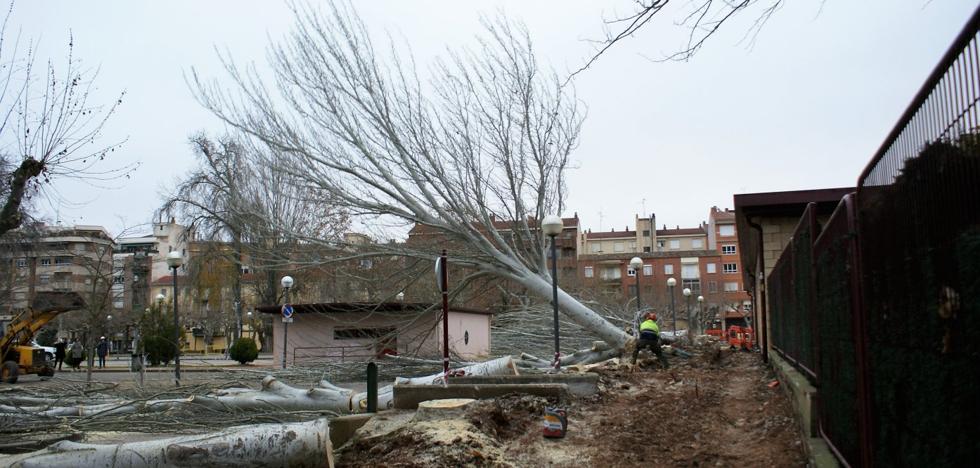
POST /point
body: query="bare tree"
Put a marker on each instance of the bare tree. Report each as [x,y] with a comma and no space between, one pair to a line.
[476,152]
[250,212]
[48,127]
[703,18]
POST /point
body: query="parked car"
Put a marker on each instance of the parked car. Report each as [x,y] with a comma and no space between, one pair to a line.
[48,350]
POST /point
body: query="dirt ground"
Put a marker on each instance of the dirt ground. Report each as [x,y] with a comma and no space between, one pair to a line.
[713,409]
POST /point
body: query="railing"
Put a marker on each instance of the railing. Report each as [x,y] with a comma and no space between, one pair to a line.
[335,353]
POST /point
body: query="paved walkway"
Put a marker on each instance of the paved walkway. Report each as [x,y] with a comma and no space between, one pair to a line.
[188,363]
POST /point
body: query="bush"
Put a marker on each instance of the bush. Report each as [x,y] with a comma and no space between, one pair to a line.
[244,350]
[157,339]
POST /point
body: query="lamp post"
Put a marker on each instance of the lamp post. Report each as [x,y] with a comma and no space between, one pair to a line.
[636,264]
[671,282]
[687,307]
[174,260]
[552,226]
[286,282]
[700,312]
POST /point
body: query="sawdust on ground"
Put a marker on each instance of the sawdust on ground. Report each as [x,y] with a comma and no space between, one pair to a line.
[714,409]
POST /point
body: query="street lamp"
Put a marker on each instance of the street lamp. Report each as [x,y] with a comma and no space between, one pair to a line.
[174,260]
[687,301]
[552,226]
[700,312]
[636,264]
[286,282]
[671,282]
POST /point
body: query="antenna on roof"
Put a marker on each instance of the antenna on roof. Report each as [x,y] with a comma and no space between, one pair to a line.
[600,219]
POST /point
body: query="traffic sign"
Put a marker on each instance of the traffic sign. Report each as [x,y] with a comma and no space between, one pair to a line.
[287,311]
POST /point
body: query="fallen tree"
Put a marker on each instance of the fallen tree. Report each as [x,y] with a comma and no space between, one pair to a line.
[472,156]
[305,444]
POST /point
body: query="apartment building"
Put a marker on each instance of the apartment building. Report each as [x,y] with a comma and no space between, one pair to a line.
[703,259]
[75,258]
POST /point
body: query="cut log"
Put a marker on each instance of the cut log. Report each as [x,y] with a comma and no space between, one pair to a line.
[386,395]
[277,395]
[304,444]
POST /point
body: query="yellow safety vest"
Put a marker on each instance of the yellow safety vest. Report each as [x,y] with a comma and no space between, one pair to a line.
[649,325]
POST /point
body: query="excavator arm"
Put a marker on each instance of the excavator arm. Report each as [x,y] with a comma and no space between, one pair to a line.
[46,306]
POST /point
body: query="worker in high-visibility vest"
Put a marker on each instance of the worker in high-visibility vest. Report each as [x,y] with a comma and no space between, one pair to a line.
[650,338]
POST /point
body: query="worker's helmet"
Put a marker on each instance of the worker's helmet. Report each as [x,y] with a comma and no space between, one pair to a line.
[652,316]
[101,337]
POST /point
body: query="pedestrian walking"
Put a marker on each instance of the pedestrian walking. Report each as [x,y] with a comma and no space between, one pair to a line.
[59,352]
[75,353]
[102,350]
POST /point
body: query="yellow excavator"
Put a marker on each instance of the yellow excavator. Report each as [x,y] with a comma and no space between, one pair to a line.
[17,353]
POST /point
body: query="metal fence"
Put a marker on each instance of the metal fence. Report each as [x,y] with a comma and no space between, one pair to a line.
[890,290]
[919,218]
[794,320]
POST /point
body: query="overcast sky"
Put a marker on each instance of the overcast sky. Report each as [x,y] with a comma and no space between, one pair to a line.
[805,107]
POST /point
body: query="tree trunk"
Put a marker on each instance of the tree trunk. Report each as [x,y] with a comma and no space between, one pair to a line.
[277,395]
[304,444]
[10,215]
[578,312]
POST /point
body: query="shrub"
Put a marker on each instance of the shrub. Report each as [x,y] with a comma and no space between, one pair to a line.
[244,350]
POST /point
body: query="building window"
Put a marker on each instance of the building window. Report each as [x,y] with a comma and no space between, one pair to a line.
[726,230]
[62,261]
[647,270]
[728,249]
[611,273]
[694,285]
[668,269]
[361,333]
[646,233]
[729,267]
[712,287]
[21,263]
[44,279]
[588,272]
[79,247]
[731,286]
[246,269]
[118,279]
[630,272]
[164,292]
[45,262]
[631,290]
[697,244]
[711,268]
[596,248]
[618,247]
[646,249]
[632,246]
[660,245]
[567,253]
[675,244]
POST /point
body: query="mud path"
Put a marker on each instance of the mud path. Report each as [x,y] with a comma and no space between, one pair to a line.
[714,409]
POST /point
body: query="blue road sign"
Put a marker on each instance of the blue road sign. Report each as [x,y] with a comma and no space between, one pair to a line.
[287,311]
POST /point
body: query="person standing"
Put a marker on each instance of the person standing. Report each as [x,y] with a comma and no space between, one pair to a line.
[102,349]
[59,352]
